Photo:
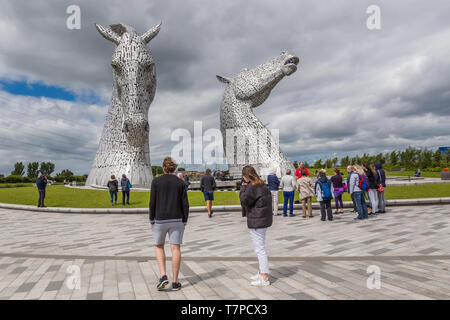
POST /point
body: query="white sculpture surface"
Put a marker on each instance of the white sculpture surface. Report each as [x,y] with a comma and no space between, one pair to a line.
[246,140]
[124,144]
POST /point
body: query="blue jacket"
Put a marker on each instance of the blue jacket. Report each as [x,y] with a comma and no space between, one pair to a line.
[41,184]
[124,184]
[273,182]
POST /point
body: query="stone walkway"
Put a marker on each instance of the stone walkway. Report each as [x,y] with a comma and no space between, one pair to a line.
[309,259]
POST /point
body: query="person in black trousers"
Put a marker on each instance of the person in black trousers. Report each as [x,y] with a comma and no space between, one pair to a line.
[41,184]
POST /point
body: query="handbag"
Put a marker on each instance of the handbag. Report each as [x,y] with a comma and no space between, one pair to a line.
[380,187]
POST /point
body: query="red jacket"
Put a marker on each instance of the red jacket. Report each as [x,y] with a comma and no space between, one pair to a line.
[298,173]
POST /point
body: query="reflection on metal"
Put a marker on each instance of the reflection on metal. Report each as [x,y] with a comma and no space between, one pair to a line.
[244,136]
[124,144]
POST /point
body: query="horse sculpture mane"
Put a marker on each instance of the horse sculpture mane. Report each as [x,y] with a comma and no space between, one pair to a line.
[124,144]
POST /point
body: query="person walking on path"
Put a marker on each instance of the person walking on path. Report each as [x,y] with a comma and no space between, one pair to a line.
[373,187]
[324,193]
[298,172]
[41,184]
[208,186]
[257,199]
[357,191]
[125,184]
[288,184]
[168,213]
[338,187]
[113,186]
[305,187]
[274,186]
[381,174]
[350,172]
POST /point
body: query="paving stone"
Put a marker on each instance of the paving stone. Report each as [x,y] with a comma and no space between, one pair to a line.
[218,257]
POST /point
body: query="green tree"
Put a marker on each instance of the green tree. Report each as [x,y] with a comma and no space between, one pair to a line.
[437,157]
[426,160]
[19,169]
[345,161]
[295,164]
[157,170]
[181,169]
[318,164]
[66,174]
[328,163]
[47,168]
[393,158]
[307,164]
[33,170]
[335,161]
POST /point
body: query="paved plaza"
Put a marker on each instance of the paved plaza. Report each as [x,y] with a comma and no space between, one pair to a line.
[309,259]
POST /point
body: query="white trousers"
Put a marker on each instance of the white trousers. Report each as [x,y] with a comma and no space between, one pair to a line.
[373,197]
[274,202]
[259,243]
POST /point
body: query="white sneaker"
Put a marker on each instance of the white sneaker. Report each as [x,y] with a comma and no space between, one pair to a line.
[260,282]
[255,277]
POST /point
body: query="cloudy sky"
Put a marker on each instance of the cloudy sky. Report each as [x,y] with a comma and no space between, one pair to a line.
[356,90]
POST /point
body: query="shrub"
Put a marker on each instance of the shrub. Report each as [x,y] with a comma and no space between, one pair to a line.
[14,179]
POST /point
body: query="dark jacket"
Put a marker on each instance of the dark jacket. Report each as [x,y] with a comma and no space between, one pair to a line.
[41,183]
[381,173]
[113,185]
[338,181]
[124,184]
[373,180]
[207,183]
[273,182]
[168,200]
[258,201]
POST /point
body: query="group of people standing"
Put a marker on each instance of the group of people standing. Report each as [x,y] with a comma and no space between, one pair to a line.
[362,181]
[366,180]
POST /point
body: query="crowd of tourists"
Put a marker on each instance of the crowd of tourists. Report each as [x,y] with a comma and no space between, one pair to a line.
[361,182]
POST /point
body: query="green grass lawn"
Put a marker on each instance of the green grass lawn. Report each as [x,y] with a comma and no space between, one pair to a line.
[60,196]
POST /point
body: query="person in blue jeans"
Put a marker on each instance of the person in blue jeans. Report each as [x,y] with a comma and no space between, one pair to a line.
[288,184]
[113,186]
[125,185]
[358,193]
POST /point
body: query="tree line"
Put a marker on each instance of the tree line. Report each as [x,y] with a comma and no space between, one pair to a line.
[35,169]
[410,159]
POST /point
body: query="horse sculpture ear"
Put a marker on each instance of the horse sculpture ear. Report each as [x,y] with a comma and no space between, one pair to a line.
[224,80]
[150,34]
[108,34]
